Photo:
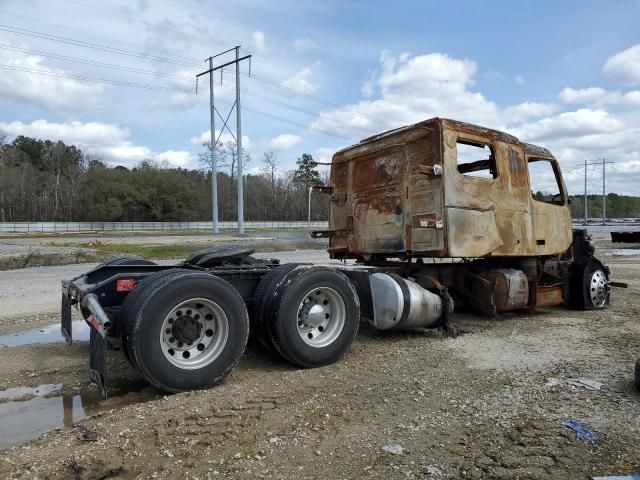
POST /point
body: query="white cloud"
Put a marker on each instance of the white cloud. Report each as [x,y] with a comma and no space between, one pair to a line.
[104,140]
[283,142]
[624,66]
[301,81]
[303,44]
[176,158]
[414,88]
[53,91]
[519,80]
[570,124]
[599,96]
[324,155]
[527,110]
[179,101]
[259,41]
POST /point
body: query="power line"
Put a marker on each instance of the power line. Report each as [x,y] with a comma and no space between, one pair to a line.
[301,110]
[181,32]
[83,32]
[157,87]
[92,62]
[149,72]
[91,79]
[145,22]
[147,56]
[322,101]
[94,46]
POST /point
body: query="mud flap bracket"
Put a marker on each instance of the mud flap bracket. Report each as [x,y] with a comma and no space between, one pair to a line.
[98,360]
[65,321]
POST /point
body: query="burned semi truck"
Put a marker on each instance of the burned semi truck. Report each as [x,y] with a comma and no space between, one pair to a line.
[429,218]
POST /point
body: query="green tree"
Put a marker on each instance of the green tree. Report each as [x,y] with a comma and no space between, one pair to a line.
[307,174]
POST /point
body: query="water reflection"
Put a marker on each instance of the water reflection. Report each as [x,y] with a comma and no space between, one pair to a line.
[48,334]
[21,421]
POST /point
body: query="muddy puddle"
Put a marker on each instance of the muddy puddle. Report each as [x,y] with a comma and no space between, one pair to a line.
[49,334]
[28,412]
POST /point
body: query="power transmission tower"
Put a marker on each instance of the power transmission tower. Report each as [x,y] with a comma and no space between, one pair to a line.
[237,137]
[604,190]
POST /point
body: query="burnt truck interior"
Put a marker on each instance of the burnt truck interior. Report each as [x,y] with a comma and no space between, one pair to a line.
[438,216]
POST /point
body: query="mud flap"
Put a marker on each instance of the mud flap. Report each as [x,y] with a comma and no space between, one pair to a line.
[98,360]
[65,314]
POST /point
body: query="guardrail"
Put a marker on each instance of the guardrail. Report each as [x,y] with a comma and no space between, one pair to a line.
[52,227]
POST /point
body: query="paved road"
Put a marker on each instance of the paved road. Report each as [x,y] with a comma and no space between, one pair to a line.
[37,290]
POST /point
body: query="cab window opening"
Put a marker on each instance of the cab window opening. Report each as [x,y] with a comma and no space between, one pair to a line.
[544,179]
[476,159]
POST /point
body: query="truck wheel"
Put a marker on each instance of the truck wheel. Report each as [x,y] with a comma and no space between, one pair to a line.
[132,303]
[185,330]
[596,287]
[260,304]
[589,287]
[314,316]
[637,374]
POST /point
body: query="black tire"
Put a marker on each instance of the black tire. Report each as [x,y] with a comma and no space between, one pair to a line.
[286,304]
[132,303]
[637,374]
[260,305]
[587,278]
[145,311]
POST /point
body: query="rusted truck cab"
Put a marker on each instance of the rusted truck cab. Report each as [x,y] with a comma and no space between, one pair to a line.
[442,188]
[467,208]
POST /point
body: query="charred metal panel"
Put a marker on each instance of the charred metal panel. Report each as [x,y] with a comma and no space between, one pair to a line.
[425,229]
[500,204]
[549,296]
[400,192]
[472,233]
[552,225]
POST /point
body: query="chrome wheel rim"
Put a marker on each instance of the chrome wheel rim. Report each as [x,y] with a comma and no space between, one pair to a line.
[321,317]
[194,333]
[598,288]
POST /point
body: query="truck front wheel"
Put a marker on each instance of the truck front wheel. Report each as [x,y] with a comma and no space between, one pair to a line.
[589,286]
[314,316]
[185,331]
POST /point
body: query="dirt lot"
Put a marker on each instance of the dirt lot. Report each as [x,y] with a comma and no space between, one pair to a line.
[488,404]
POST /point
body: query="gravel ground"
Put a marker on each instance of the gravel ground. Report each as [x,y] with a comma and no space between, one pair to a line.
[487,404]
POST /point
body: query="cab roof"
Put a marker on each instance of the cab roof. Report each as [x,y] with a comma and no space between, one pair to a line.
[462,127]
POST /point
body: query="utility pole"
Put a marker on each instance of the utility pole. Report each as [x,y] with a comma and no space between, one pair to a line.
[212,144]
[239,147]
[604,190]
[586,215]
[237,137]
[604,195]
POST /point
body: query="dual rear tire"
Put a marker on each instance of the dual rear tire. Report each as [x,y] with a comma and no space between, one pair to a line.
[309,315]
[186,330]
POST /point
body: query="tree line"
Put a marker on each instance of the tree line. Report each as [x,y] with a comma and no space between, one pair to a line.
[44,180]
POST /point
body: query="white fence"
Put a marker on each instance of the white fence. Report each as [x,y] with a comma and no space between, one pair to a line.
[52,227]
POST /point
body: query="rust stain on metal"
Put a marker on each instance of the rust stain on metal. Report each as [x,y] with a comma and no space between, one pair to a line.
[549,296]
[406,196]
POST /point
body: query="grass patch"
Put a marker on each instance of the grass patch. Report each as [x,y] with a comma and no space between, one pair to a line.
[155,252]
[47,260]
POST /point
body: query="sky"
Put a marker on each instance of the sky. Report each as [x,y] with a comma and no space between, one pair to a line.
[118,77]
